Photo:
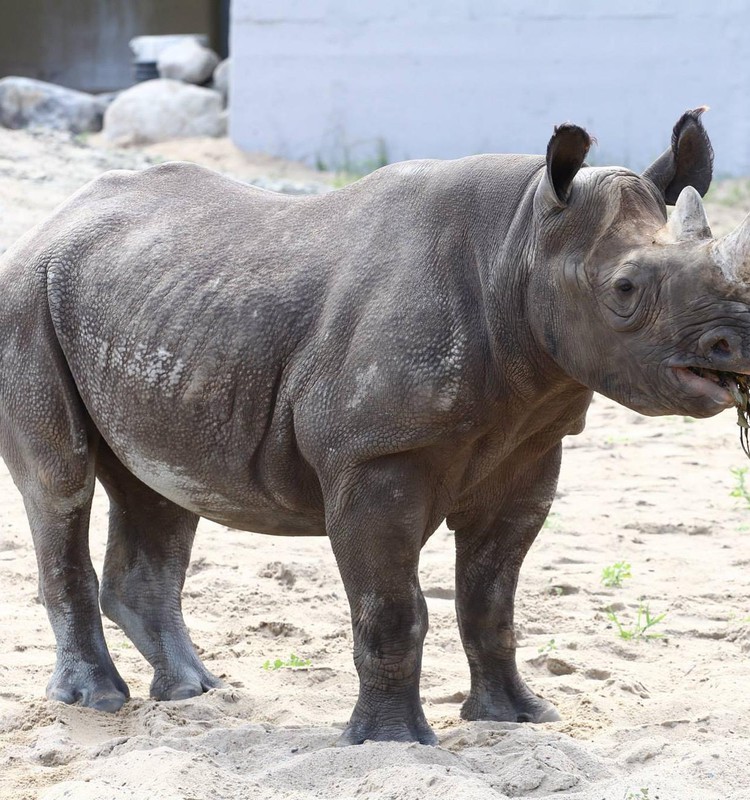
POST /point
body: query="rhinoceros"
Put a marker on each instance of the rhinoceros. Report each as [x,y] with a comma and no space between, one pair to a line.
[362,364]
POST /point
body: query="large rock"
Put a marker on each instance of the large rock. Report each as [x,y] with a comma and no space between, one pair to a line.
[221,79]
[161,109]
[28,103]
[187,61]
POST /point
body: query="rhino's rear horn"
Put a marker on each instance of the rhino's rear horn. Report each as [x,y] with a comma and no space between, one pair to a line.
[566,152]
[732,252]
[689,220]
[688,162]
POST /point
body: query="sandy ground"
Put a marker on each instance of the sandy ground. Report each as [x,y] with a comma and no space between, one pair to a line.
[662,718]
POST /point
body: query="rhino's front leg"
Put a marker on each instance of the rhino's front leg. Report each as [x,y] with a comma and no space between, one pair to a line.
[376,519]
[489,552]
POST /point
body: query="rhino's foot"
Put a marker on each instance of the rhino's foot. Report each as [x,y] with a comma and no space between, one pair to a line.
[501,706]
[98,688]
[178,672]
[384,724]
[359,734]
[191,681]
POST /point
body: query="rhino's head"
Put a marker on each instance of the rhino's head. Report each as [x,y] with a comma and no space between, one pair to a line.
[648,312]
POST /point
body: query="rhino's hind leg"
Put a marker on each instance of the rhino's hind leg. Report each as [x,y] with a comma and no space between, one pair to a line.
[49,444]
[148,551]
[84,670]
[377,550]
[489,554]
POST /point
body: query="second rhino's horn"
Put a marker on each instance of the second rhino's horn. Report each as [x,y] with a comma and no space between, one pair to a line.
[689,220]
[732,252]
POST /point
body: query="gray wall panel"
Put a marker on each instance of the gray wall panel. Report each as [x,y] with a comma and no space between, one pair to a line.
[335,81]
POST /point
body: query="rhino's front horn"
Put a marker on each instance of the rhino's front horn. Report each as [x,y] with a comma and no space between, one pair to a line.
[732,252]
[689,220]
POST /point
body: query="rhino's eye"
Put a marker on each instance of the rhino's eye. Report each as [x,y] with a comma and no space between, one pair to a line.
[623,285]
[624,299]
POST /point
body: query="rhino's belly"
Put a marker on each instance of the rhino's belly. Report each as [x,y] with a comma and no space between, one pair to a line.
[252,508]
[228,456]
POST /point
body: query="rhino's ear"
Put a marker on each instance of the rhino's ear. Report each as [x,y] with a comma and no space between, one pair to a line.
[566,152]
[688,162]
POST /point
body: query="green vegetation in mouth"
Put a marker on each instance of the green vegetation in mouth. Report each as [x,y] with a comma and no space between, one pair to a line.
[738,387]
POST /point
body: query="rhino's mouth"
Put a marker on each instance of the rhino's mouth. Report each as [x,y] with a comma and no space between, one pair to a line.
[721,387]
[736,383]
[727,380]
[725,388]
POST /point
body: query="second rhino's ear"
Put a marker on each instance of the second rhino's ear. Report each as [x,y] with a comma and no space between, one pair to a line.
[566,152]
[688,162]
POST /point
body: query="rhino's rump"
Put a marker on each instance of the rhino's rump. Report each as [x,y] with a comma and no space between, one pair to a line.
[180,353]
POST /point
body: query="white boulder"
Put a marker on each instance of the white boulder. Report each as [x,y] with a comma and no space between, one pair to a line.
[157,110]
[221,79]
[28,103]
[187,61]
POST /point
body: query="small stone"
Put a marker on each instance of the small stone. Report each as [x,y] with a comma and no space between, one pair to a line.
[456,697]
[563,589]
[644,751]
[636,688]
[279,571]
[440,592]
[558,666]
[597,674]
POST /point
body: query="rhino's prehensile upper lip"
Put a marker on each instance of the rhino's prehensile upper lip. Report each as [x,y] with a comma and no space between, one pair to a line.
[707,369]
[706,382]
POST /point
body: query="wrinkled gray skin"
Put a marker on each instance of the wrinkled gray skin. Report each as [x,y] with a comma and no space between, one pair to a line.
[362,365]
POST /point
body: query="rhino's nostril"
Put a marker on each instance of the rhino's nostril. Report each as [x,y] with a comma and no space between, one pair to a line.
[720,343]
[721,347]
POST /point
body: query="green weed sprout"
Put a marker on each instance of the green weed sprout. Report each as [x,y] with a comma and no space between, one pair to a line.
[294,662]
[615,574]
[740,487]
[642,625]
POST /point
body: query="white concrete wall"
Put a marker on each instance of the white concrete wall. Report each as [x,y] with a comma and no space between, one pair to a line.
[350,80]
